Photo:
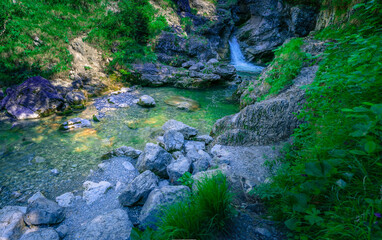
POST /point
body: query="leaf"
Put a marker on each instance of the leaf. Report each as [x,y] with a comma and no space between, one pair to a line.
[291,223]
[357,152]
[370,147]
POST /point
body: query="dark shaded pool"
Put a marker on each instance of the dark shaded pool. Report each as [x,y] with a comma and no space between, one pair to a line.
[30,151]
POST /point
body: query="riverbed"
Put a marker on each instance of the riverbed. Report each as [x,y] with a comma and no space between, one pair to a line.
[37,156]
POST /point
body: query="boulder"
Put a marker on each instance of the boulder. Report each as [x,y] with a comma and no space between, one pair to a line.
[93,191]
[114,225]
[197,67]
[207,139]
[146,101]
[173,140]
[11,222]
[123,152]
[194,145]
[200,161]
[155,200]
[43,211]
[212,61]
[34,98]
[41,234]
[65,200]
[75,123]
[177,168]
[184,129]
[35,196]
[183,103]
[75,98]
[138,189]
[155,159]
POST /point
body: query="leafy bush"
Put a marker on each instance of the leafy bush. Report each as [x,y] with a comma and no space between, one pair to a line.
[199,216]
[329,185]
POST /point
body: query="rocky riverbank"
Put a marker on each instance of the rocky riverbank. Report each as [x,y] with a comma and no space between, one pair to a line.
[129,187]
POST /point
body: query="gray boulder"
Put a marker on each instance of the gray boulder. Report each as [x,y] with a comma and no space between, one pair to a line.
[75,123]
[34,98]
[157,198]
[177,168]
[173,140]
[202,162]
[93,191]
[188,64]
[44,212]
[75,98]
[65,200]
[184,129]
[138,189]
[194,145]
[35,196]
[155,159]
[197,67]
[114,225]
[146,101]
[11,222]
[204,138]
[41,234]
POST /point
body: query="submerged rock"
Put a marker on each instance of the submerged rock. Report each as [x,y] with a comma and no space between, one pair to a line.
[11,222]
[183,103]
[43,211]
[146,101]
[34,98]
[114,225]
[155,159]
[138,189]
[184,129]
[75,123]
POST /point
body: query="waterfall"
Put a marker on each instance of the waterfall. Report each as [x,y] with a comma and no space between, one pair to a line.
[238,59]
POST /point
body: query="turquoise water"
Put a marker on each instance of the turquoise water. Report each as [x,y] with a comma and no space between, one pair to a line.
[29,151]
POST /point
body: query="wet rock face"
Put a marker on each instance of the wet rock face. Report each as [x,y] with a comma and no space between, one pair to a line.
[34,98]
[266,24]
[44,212]
[114,225]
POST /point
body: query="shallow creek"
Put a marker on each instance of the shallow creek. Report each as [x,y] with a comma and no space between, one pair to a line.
[29,151]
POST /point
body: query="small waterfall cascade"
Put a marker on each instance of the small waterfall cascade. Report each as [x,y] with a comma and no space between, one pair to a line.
[238,59]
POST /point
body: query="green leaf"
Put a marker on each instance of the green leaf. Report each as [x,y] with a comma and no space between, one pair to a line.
[370,147]
[291,223]
[357,152]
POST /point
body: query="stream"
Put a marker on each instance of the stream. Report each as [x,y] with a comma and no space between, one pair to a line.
[36,156]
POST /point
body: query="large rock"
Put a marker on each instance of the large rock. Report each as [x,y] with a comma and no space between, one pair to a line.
[11,222]
[173,140]
[75,98]
[44,212]
[34,98]
[177,168]
[146,101]
[157,198]
[155,159]
[93,191]
[65,200]
[114,225]
[269,121]
[138,189]
[75,123]
[266,24]
[194,145]
[201,160]
[184,129]
[207,139]
[123,151]
[41,234]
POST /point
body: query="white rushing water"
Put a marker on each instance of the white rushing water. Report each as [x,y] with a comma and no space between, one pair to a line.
[238,59]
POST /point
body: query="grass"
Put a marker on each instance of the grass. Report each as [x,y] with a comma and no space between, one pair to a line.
[329,182]
[201,215]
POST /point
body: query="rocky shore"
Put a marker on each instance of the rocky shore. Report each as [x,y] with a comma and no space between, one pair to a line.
[130,186]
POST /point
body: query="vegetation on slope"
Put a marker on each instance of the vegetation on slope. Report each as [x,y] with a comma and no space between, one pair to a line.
[203,214]
[34,34]
[329,183]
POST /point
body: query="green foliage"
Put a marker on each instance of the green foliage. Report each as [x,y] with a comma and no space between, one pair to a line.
[186,180]
[186,23]
[198,216]
[286,65]
[329,183]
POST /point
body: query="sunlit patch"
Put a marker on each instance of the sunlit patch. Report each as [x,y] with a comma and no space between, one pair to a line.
[38,139]
[84,134]
[155,121]
[82,148]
